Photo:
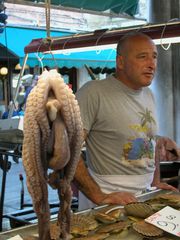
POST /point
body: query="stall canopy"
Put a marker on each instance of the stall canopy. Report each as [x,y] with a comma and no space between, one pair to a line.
[129,7]
[16,38]
[116,6]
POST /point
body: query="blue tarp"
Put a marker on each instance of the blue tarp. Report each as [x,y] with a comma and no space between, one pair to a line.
[16,38]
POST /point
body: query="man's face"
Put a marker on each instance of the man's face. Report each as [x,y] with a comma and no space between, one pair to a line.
[138,62]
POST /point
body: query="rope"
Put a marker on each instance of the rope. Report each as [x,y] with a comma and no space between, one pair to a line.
[47,11]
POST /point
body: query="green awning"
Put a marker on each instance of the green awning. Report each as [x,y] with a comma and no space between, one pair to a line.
[129,7]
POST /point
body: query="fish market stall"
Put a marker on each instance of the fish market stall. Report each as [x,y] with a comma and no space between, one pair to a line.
[111,222]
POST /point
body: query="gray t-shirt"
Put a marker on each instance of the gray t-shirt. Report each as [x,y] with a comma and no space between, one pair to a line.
[121,125]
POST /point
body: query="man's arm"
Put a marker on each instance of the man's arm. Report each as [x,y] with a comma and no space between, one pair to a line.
[157,180]
[86,183]
[91,189]
[167,149]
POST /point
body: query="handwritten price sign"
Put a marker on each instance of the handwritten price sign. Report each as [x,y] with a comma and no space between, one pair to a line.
[167,219]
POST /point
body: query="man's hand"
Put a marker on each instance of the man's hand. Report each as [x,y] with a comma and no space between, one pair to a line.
[165,186]
[167,150]
[121,198]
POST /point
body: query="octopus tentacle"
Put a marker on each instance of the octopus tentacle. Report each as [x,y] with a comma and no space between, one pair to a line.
[51,110]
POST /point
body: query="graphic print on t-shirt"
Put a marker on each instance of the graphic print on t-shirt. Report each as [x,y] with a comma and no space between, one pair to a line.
[139,151]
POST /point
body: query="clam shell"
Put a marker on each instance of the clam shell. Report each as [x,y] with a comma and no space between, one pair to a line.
[172,200]
[134,219]
[104,218]
[170,197]
[96,236]
[81,224]
[147,229]
[138,209]
[117,213]
[118,236]
[113,228]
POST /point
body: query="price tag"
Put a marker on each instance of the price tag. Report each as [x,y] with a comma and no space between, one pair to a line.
[168,219]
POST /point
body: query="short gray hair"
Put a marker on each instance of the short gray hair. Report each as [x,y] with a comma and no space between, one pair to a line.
[125,38]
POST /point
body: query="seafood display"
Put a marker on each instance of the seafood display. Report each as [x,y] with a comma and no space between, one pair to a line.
[162,200]
[116,223]
[110,222]
[53,137]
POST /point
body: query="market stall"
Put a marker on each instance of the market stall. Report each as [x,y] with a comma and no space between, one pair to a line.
[101,225]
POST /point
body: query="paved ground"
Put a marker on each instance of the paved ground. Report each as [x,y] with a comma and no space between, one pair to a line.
[12,201]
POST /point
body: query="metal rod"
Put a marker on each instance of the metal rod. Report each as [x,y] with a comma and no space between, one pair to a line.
[11,106]
[92,75]
[5,168]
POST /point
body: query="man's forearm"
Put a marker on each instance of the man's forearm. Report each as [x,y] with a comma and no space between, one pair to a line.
[87,185]
[156,179]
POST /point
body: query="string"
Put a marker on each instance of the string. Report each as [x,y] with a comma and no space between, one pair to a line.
[108,57]
[68,53]
[99,51]
[40,58]
[162,34]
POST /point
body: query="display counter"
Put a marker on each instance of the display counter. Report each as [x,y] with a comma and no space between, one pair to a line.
[31,230]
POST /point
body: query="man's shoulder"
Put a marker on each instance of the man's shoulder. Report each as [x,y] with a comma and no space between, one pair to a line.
[148,91]
[96,84]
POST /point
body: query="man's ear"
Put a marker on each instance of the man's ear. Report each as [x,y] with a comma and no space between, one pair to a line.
[120,62]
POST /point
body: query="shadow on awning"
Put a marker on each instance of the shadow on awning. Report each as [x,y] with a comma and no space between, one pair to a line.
[7,55]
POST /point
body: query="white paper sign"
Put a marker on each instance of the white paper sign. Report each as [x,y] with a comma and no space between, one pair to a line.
[168,219]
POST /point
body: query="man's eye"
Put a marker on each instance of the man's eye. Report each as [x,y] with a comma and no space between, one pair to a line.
[141,56]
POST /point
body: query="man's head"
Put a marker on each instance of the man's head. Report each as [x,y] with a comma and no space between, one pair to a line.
[136,60]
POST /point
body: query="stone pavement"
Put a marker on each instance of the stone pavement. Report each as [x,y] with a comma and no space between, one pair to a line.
[13,189]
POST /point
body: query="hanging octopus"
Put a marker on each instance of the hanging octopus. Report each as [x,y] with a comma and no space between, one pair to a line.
[53,137]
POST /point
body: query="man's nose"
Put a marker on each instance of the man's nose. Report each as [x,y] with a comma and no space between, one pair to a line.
[152,63]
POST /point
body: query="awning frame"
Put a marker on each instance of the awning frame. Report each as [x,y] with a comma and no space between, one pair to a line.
[102,37]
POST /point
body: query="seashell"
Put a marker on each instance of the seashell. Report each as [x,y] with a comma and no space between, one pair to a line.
[118,236]
[157,206]
[81,224]
[134,219]
[147,229]
[172,200]
[96,236]
[104,218]
[170,197]
[113,228]
[117,213]
[138,209]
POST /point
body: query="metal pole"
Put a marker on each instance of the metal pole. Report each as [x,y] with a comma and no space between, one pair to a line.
[12,103]
[5,168]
